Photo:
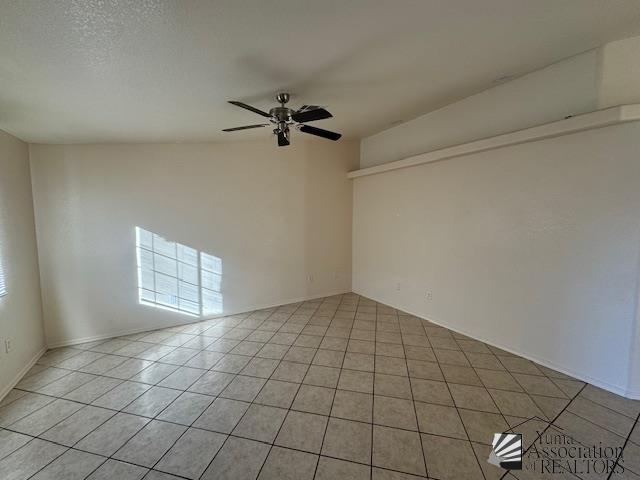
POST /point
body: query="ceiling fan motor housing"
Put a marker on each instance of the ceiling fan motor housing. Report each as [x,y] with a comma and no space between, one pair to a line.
[281,114]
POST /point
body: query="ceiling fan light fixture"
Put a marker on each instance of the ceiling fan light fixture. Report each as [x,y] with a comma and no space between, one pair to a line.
[283,117]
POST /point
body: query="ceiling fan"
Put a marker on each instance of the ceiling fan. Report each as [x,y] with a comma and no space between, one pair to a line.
[282,118]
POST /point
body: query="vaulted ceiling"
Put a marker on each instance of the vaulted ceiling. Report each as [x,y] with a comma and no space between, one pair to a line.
[161,71]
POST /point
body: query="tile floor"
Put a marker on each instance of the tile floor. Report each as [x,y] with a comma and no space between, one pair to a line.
[336,388]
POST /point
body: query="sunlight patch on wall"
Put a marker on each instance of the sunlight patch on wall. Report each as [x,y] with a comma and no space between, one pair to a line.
[177,277]
[3,285]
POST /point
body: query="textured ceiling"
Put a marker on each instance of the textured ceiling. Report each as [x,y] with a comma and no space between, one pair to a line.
[161,71]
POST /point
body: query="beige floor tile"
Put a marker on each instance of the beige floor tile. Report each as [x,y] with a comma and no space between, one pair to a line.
[352,406]
[398,450]
[302,431]
[390,350]
[222,415]
[419,353]
[312,399]
[361,346]
[356,381]
[516,404]
[491,472]
[333,469]
[260,367]
[260,423]
[440,420]
[430,391]
[630,408]
[550,406]
[286,464]
[499,380]
[392,386]
[519,365]
[290,372]
[570,388]
[461,375]
[359,361]
[272,377]
[535,384]
[328,358]
[277,393]
[631,455]
[481,426]
[348,440]
[300,355]
[450,459]
[243,388]
[424,369]
[391,365]
[382,474]
[451,357]
[473,398]
[484,360]
[394,412]
[585,432]
[322,376]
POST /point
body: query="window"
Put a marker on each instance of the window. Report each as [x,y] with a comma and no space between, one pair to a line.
[3,286]
[177,277]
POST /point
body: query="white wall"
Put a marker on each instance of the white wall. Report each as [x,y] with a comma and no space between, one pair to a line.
[20,308]
[273,215]
[565,88]
[532,247]
[619,81]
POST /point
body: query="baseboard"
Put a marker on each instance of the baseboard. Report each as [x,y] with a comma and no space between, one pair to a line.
[634,395]
[5,390]
[244,309]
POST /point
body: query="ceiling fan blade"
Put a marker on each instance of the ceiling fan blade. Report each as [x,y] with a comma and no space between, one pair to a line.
[249,107]
[283,139]
[320,132]
[245,127]
[311,115]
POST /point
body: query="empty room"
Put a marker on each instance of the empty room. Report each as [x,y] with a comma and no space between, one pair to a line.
[330,240]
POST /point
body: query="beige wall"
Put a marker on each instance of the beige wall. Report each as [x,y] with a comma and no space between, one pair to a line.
[619,81]
[569,87]
[279,218]
[20,308]
[534,248]
[596,79]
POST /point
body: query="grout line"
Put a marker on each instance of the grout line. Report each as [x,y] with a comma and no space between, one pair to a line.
[547,428]
[415,412]
[373,397]
[245,412]
[389,327]
[333,398]
[266,458]
[624,446]
[455,405]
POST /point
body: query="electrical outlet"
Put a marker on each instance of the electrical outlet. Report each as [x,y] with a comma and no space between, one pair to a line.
[8,345]
[398,286]
[429,295]
[310,278]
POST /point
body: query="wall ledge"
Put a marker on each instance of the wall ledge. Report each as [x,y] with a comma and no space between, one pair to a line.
[587,121]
